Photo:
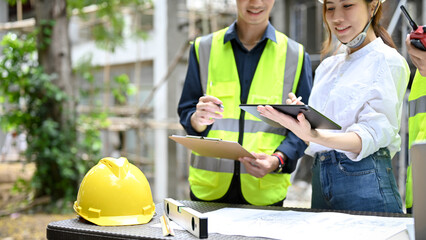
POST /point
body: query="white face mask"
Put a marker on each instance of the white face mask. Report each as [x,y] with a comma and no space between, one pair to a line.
[360,38]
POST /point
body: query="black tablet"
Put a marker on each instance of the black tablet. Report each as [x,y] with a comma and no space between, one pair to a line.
[315,118]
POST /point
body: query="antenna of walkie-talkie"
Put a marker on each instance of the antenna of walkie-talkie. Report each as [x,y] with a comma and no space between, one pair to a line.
[410,20]
[418,35]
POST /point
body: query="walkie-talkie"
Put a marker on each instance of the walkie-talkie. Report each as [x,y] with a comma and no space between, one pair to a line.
[418,35]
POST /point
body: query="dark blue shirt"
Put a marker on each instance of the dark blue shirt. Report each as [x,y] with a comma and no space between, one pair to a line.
[246,62]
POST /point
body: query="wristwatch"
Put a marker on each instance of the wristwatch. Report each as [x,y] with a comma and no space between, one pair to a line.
[280,162]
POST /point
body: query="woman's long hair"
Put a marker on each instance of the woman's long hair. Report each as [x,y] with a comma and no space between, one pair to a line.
[378,29]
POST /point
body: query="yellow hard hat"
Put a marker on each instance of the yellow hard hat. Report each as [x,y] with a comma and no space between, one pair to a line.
[114,193]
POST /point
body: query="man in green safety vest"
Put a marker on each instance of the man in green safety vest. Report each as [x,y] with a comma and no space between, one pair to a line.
[417,111]
[248,62]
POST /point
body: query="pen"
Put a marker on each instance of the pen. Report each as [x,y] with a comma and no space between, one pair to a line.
[297,100]
[219,105]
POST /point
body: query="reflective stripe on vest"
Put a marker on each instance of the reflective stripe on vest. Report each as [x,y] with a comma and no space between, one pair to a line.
[249,126]
[417,110]
[416,125]
[203,55]
[417,105]
[210,177]
[417,120]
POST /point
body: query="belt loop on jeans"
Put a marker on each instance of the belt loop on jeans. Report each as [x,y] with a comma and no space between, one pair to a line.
[333,157]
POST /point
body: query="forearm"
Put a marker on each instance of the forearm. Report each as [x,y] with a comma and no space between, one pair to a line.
[348,141]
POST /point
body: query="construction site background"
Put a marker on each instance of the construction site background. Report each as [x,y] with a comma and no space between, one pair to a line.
[157,66]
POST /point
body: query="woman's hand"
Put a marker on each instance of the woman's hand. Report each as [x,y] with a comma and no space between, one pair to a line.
[292,100]
[299,126]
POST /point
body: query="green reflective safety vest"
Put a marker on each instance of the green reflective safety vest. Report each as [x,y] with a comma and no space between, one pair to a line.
[210,178]
[416,125]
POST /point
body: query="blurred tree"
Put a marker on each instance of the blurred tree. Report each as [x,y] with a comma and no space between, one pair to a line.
[40,91]
[54,52]
[108,33]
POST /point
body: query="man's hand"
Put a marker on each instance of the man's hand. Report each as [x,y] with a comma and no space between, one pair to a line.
[261,165]
[208,109]
[418,57]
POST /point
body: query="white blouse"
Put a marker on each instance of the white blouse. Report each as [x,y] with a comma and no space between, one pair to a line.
[363,93]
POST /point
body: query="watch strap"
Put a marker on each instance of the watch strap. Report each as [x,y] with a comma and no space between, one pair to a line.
[280,163]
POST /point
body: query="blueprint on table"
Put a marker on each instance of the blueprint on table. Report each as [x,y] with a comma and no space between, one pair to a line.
[303,225]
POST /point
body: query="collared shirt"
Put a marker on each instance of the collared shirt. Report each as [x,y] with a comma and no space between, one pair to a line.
[246,62]
[363,93]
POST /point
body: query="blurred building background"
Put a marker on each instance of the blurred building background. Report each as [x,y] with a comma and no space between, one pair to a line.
[156,67]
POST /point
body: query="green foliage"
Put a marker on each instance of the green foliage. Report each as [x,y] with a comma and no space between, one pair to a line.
[13,2]
[62,154]
[123,88]
[108,33]
[45,33]
[63,149]
[97,118]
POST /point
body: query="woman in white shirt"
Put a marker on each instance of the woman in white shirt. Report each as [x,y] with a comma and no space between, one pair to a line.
[362,90]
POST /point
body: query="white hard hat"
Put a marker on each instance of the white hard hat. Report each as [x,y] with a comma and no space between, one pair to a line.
[322,1]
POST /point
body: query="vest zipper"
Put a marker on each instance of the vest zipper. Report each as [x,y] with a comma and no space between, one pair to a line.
[237,164]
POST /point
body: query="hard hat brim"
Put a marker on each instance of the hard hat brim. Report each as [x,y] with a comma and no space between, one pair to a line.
[116,220]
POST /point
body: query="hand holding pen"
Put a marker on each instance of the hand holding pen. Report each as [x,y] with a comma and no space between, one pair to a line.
[215,101]
[207,110]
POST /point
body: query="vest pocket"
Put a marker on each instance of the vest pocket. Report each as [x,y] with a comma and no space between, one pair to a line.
[226,91]
[208,185]
[272,181]
[264,191]
[268,142]
[203,177]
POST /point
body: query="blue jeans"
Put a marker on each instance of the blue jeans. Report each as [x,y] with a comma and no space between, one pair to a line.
[342,184]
